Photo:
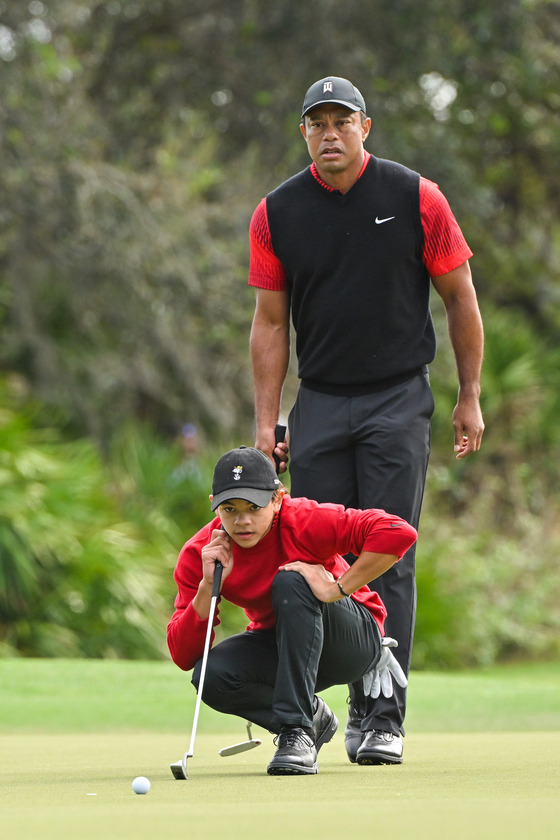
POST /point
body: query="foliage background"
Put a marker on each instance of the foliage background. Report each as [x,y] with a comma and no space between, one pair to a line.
[136,140]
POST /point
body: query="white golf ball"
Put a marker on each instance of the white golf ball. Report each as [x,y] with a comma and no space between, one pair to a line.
[141,784]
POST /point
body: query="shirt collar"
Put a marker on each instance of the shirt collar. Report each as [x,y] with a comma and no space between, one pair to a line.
[319,180]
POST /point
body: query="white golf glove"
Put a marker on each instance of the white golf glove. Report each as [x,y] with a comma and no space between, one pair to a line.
[380,680]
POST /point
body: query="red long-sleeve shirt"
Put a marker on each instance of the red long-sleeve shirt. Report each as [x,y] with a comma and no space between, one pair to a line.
[303,530]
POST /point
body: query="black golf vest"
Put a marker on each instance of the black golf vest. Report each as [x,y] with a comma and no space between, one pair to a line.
[359,289]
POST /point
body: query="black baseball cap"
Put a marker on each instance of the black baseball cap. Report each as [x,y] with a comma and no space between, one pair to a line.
[333,89]
[244,473]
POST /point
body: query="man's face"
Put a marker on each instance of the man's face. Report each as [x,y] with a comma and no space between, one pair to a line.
[335,136]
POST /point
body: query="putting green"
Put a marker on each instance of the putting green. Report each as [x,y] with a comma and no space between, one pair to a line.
[450,786]
[482,760]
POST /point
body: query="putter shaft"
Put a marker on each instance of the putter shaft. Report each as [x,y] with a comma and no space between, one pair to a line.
[179,768]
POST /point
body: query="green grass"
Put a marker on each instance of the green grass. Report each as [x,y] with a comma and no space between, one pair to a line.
[89,695]
[482,760]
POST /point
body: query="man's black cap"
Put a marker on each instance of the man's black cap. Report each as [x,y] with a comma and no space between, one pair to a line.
[333,89]
[244,473]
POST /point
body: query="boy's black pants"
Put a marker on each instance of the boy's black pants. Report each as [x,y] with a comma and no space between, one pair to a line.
[269,678]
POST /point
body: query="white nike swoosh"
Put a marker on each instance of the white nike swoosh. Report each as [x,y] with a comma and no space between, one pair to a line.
[379,221]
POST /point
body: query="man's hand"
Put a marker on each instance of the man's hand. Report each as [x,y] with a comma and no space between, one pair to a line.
[265,441]
[468,426]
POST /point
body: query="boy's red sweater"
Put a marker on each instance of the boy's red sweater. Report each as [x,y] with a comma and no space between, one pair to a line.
[303,530]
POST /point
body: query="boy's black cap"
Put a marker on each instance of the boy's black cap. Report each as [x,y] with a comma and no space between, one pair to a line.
[333,89]
[244,473]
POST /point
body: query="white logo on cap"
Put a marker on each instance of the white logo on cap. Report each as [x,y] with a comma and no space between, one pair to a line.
[327,87]
[237,473]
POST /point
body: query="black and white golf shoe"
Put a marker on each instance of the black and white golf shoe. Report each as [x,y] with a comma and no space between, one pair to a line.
[380,747]
[325,722]
[296,754]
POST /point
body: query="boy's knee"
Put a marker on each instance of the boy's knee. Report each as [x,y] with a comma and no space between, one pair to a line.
[289,588]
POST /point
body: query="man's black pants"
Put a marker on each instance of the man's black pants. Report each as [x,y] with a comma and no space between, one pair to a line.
[270,677]
[366,452]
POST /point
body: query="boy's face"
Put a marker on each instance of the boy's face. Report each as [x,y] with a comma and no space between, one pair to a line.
[247,523]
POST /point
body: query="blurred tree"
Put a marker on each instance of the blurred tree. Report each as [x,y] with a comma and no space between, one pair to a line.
[121,287]
[138,137]
[76,579]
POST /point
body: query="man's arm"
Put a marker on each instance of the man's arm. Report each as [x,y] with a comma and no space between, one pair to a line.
[464,323]
[270,355]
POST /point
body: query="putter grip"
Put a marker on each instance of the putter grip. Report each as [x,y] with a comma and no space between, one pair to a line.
[217,579]
[279,436]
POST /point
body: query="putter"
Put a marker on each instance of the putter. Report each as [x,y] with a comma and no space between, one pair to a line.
[242,746]
[179,768]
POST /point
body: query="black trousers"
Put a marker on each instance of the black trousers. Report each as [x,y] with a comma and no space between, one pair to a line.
[269,678]
[366,452]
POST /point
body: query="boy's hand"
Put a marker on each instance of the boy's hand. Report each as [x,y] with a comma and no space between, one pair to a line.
[219,548]
[319,579]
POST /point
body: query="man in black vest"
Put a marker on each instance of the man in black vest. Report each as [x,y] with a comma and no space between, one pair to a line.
[349,247]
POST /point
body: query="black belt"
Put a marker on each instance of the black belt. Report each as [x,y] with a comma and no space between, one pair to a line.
[360,389]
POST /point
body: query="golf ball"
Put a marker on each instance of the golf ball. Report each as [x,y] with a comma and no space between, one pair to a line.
[141,784]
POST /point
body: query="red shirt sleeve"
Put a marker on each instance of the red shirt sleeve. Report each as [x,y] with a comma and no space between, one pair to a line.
[186,632]
[445,247]
[323,533]
[265,269]
[330,529]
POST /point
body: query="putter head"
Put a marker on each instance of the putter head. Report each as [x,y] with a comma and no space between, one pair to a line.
[179,769]
[249,744]
[241,747]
